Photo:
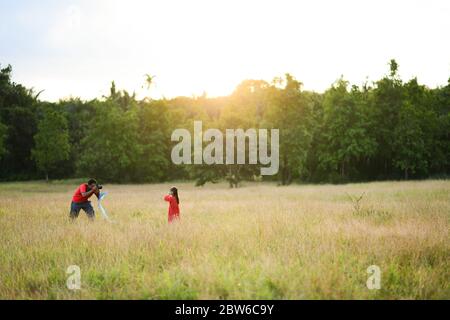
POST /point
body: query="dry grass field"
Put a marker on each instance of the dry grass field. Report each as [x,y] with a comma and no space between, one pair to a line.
[256,242]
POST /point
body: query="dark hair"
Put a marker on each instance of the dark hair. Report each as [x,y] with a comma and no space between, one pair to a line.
[92,181]
[174,191]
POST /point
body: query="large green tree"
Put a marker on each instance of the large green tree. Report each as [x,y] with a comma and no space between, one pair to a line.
[18,110]
[346,139]
[386,101]
[290,111]
[154,140]
[410,148]
[3,131]
[110,148]
[51,141]
[440,142]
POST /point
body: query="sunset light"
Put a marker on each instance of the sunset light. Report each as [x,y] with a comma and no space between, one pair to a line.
[225,159]
[76,48]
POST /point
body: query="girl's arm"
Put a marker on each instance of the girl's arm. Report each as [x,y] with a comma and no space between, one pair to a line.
[168,197]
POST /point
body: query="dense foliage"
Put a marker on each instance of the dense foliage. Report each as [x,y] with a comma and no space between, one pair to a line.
[386,130]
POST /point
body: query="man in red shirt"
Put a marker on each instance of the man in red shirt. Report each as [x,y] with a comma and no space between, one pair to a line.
[80,199]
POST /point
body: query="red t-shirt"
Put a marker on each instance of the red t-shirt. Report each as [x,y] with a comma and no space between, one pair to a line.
[174,210]
[78,197]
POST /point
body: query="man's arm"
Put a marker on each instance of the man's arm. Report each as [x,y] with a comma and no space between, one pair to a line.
[90,192]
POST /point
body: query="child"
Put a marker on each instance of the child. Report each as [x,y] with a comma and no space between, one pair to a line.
[174,210]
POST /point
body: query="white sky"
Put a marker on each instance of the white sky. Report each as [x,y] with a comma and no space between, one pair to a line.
[78,47]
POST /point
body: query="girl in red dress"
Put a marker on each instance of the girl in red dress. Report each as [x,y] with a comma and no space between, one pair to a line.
[174,201]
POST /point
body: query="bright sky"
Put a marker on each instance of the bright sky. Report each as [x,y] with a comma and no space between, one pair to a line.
[78,47]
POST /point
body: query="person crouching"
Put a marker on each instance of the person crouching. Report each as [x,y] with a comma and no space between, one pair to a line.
[80,200]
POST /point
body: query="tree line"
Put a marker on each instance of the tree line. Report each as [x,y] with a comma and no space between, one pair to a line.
[387,129]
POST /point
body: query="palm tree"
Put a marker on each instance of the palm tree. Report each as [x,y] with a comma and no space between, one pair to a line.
[149,80]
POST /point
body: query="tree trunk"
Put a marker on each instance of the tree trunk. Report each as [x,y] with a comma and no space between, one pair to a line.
[406,173]
[46,177]
[284,176]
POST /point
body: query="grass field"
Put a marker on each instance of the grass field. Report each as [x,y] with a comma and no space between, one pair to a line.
[256,242]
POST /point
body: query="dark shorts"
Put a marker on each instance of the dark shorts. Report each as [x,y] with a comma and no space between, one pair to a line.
[75,208]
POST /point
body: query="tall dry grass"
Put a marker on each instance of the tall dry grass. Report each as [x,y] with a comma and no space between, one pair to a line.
[257,242]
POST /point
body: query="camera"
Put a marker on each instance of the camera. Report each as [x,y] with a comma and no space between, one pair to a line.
[99,187]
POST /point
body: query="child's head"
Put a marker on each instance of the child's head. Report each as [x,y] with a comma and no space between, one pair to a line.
[174,192]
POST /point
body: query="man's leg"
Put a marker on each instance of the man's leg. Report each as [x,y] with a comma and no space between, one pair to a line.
[74,210]
[87,207]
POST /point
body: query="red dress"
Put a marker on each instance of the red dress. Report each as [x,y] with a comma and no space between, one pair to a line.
[174,210]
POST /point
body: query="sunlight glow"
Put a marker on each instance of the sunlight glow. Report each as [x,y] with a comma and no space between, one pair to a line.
[77,48]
